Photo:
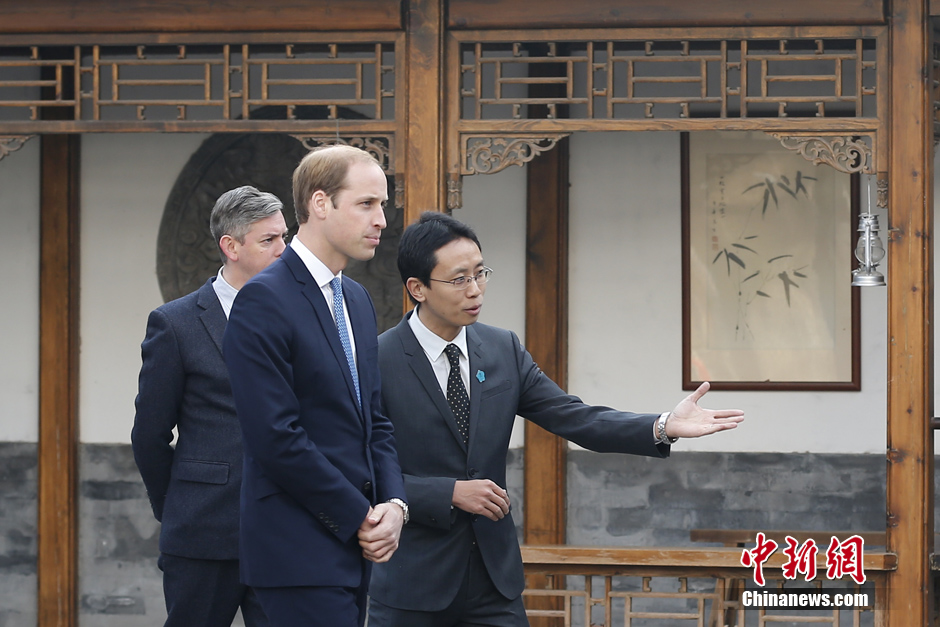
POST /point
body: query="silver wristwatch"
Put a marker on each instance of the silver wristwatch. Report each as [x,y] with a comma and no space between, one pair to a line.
[404,509]
[661,436]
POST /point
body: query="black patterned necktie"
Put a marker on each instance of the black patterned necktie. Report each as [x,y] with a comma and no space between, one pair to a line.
[457,393]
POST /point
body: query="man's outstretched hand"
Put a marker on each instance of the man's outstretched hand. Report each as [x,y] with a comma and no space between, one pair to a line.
[689,420]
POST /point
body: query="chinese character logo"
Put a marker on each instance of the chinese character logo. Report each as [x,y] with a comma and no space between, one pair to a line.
[843,559]
[756,557]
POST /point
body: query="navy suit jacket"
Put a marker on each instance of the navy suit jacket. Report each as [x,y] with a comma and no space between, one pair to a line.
[314,460]
[183,384]
[428,568]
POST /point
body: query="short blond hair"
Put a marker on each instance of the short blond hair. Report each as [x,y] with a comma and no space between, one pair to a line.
[324,168]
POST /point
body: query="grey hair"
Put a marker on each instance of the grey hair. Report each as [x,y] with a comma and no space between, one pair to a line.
[238,209]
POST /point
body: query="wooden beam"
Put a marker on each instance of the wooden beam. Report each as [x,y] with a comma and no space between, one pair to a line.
[527,14]
[651,557]
[910,316]
[58,382]
[108,16]
[424,165]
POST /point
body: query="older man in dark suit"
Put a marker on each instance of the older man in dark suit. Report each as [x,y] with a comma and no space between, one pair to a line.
[184,385]
[452,388]
[322,496]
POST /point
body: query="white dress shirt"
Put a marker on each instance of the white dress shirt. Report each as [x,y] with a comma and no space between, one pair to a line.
[323,275]
[225,293]
[434,346]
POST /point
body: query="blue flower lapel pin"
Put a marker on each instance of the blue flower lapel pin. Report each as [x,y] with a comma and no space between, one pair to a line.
[480,376]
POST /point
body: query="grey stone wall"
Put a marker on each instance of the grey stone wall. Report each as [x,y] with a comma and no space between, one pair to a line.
[18,488]
[119,583]
[641,501]
[612,500]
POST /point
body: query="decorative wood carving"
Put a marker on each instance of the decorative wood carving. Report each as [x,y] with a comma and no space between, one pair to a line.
[9,144]
[454,192]
[488,155]
[381,147]
[399,192]
[844,153]
[882,191]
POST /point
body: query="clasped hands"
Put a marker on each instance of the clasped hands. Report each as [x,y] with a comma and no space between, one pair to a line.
[380,532]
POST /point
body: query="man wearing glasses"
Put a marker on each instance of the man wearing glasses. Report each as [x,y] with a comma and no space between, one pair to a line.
[452,388]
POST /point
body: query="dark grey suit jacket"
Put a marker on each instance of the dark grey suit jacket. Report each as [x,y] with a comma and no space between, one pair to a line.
[426,571]
[184,384]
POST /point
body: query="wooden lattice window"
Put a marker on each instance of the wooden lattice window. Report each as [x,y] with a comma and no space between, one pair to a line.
[670,78]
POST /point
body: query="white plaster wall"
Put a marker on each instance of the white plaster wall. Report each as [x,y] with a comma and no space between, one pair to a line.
[625,271]
[625,333]
[125,181]
[19,313]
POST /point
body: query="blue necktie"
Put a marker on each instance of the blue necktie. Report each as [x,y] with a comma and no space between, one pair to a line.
[337,285]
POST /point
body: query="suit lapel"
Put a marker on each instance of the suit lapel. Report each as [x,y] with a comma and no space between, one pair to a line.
[476,355]
[419,364]
[212,316]
[314,295]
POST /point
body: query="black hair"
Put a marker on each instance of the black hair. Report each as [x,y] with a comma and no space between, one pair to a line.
[417,249]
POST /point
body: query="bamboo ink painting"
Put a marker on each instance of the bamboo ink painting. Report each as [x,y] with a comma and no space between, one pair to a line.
[767,246]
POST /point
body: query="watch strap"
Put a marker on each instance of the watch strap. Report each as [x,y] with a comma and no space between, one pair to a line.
[404,509]
[661,436]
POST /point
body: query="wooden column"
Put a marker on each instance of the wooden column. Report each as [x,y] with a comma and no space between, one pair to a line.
[545,470]
[546,333]
[424,165]
[546,328]
[547,303]
[910,316]
[58,382]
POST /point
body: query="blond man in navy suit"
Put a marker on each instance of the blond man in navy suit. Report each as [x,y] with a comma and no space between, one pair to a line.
[194,486]
[452,387]
[322,496]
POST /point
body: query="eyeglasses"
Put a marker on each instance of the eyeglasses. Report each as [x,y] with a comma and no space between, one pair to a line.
[463,282]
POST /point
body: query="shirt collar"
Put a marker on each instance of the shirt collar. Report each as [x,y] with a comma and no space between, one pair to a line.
[224,292]
[432,343]
[318,270]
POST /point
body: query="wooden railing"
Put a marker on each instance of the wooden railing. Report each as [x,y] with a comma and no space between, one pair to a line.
[607,586]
